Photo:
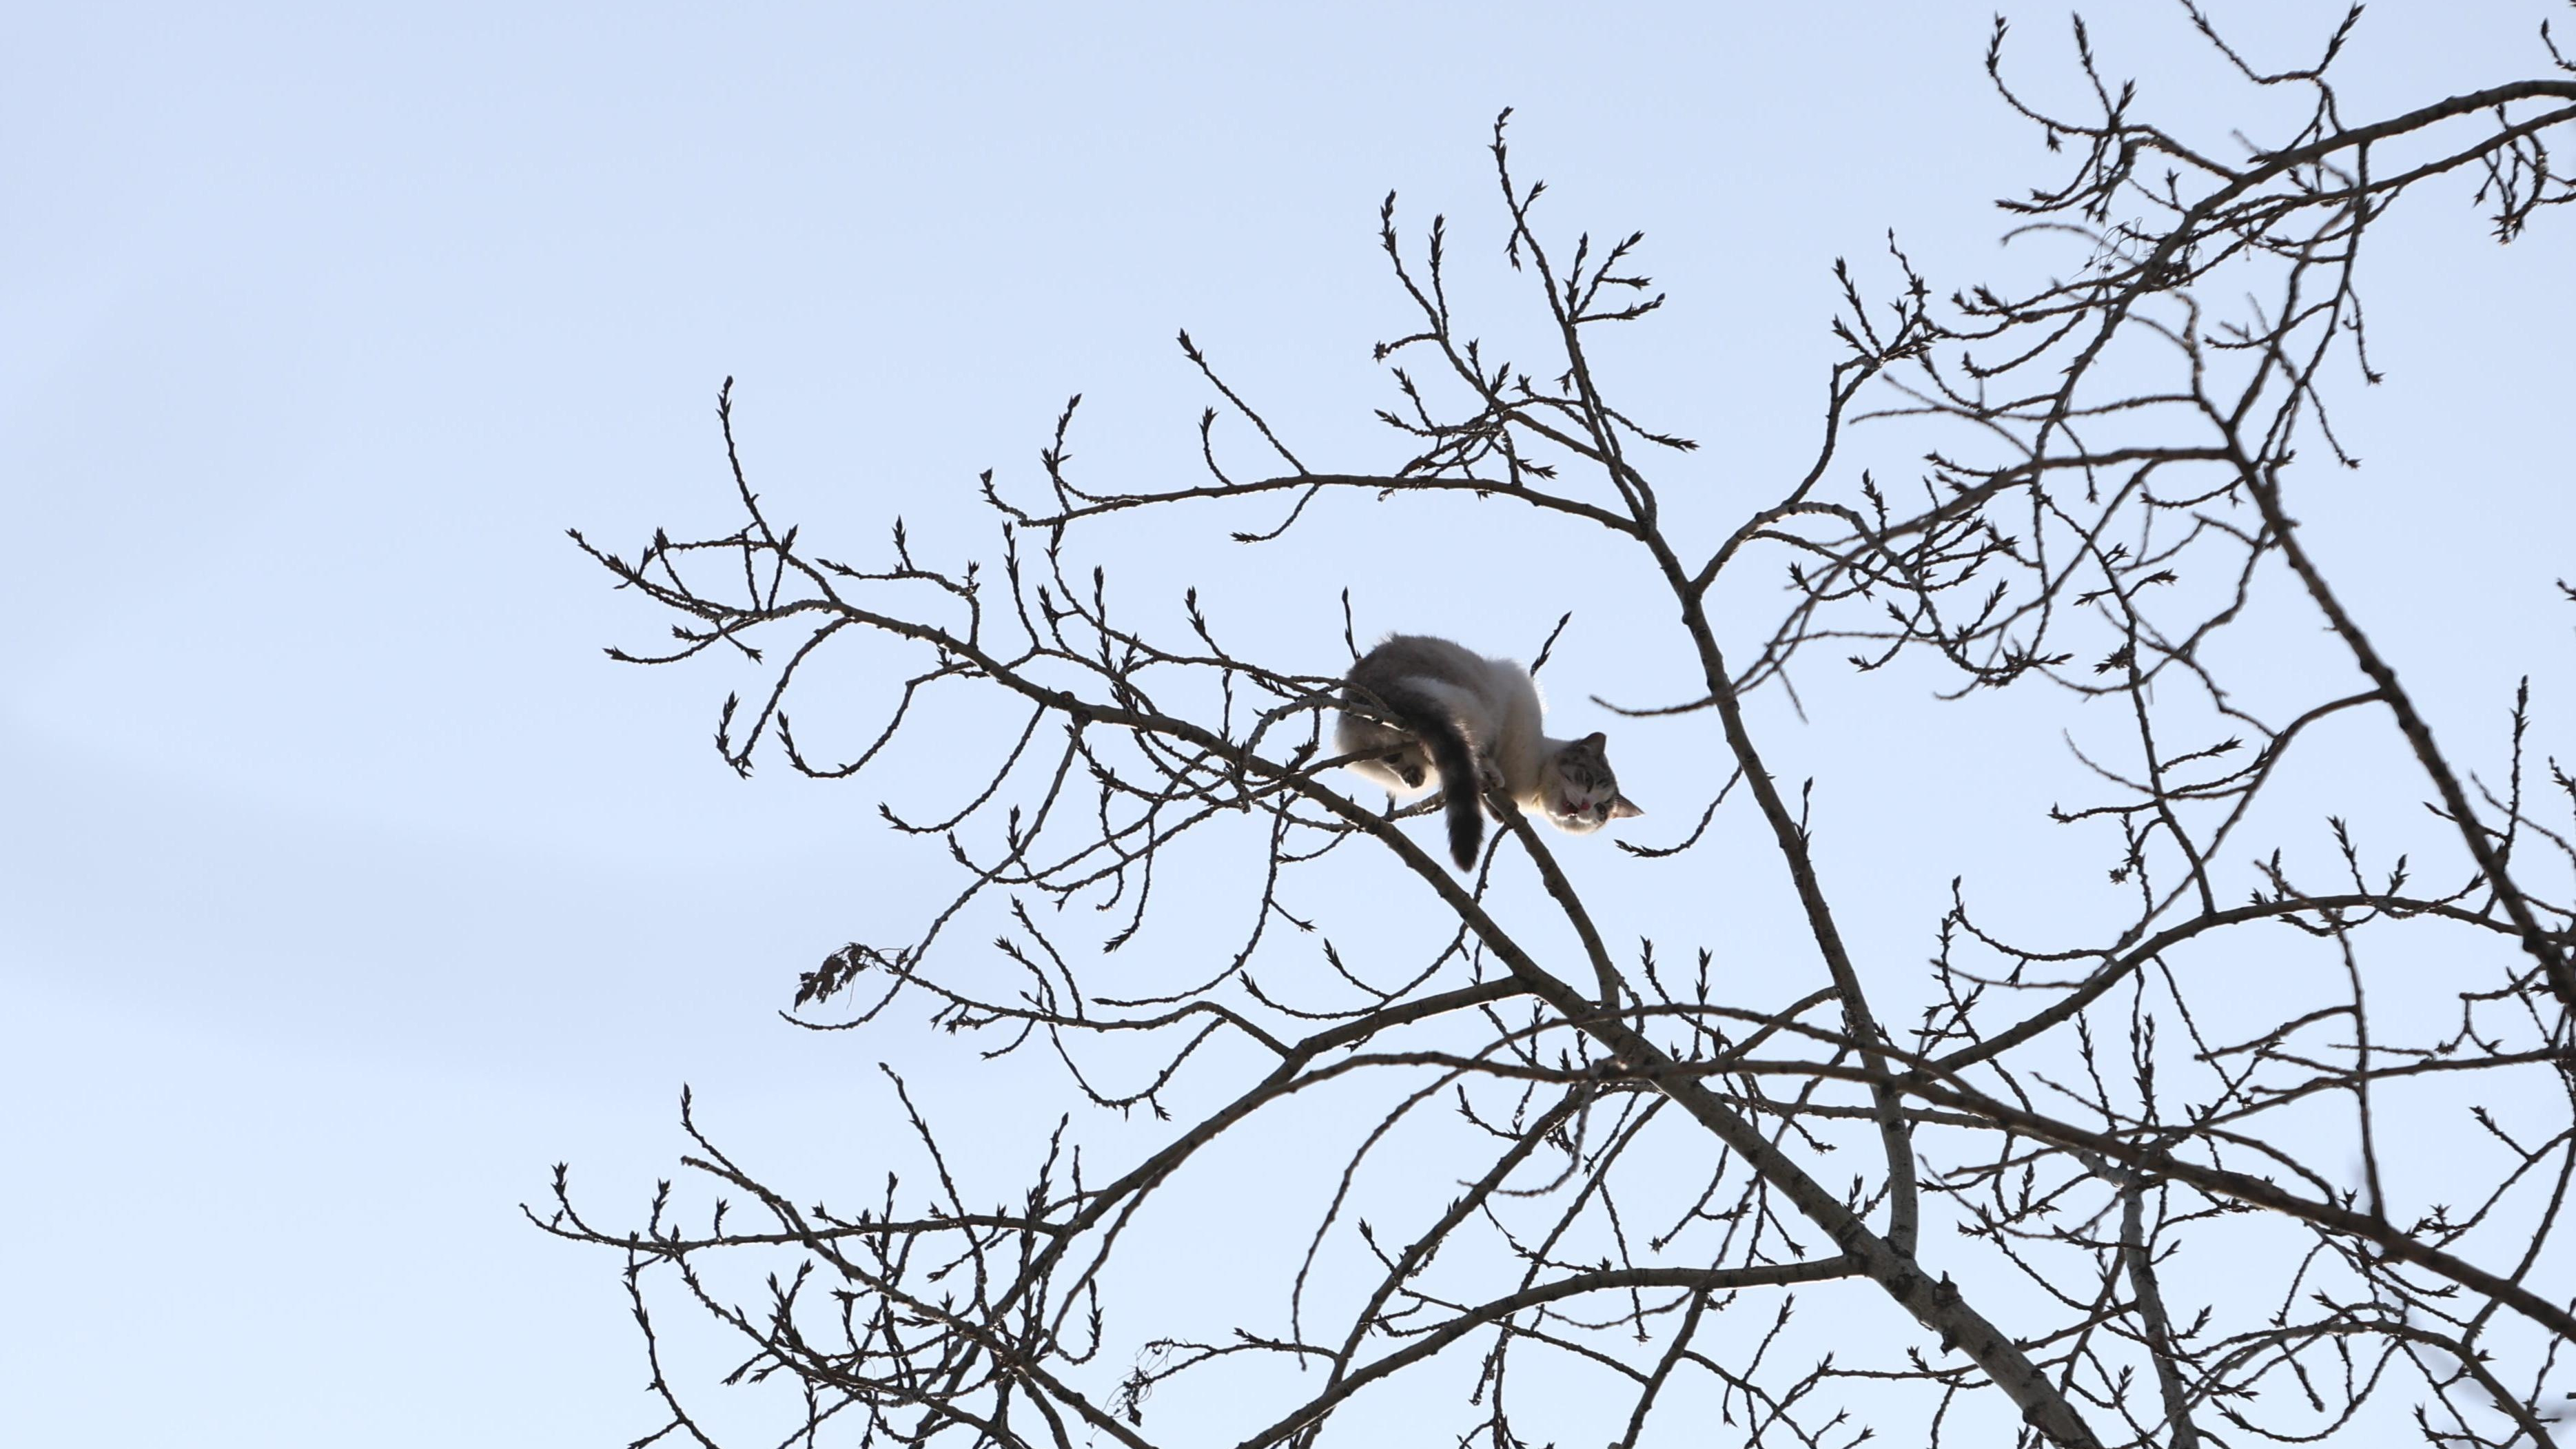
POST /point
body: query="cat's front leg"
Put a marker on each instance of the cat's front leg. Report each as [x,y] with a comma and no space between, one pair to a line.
[1408,764]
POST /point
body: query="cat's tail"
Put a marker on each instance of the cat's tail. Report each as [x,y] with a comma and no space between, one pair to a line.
[1458,789]
[1434,723]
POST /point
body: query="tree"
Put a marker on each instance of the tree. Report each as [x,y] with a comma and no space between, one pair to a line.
[2106,1192]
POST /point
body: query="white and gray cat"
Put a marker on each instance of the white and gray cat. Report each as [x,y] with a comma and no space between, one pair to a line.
[1474,723]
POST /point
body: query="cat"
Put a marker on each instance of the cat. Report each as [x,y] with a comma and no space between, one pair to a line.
[1474,722]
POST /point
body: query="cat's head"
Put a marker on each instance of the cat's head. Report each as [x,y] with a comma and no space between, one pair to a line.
[1580,793]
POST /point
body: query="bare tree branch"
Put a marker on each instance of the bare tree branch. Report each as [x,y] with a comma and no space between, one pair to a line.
[2207,1169]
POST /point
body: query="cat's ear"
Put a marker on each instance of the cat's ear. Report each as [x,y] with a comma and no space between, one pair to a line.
[1596,740]
[1622,808]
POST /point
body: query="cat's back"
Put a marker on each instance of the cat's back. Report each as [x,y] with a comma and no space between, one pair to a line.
[1401,655]
[1500,684]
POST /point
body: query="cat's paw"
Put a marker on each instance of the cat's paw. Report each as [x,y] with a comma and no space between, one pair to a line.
[1489,776]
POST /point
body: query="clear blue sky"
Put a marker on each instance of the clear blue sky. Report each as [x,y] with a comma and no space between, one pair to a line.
[344,886]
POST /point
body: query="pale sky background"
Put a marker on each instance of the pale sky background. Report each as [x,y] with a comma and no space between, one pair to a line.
[344,886]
